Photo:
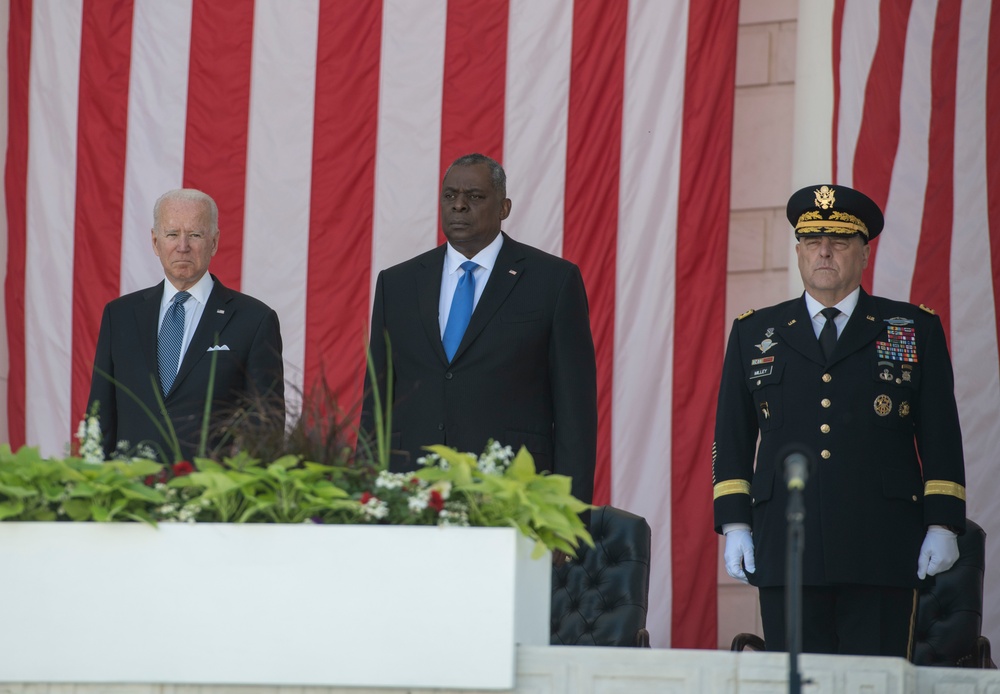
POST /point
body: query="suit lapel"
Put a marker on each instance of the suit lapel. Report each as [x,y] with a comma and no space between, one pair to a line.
[797,331]
[147,318]
[428,281]
[506,272]
[864,326]
[218,311]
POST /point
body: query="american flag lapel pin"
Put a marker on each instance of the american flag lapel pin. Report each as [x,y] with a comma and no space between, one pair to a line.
[513,272]
[221,310]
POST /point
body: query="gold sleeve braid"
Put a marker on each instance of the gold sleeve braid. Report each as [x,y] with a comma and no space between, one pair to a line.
[731,487]
[944,487]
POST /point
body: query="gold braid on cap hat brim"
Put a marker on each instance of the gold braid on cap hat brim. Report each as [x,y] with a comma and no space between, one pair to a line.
[812,222]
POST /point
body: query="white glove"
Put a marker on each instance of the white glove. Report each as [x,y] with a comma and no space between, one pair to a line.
[938,553]
[739,550]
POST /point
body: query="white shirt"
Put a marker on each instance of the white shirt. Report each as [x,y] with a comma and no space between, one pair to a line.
[193,307]
[452,273]
[846,306]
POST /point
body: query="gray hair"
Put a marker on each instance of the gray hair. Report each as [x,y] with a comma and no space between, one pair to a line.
[497,175]
[192,195]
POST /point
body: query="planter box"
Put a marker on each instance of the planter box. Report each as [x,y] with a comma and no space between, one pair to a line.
[375,606]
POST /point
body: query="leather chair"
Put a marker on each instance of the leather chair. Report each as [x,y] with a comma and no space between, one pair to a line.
[947,631]
[600,598]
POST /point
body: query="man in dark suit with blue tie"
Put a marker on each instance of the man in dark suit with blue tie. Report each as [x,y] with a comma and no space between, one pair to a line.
[490,340]
[159,344]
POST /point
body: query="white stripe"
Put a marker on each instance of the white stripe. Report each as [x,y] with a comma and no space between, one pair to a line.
[279,170]
[858,40]
[157,112]
[973,328]
[408,158]
[53,97]
[904,209]
[539,51]
[655,63]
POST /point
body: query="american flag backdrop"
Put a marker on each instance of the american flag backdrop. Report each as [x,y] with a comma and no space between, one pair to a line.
[917,126]
[322,129]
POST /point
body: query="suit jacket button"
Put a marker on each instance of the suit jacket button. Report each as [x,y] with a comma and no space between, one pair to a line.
[825,454]
[448,375]
[827,378]
[825,428]
[440,427]
[825,402]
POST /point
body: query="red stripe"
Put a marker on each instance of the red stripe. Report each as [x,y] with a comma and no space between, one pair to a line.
[105,57]
[878,137]
[837,34]
[340,236]
[699,316]
[993,155]
[475,74]
[16,190]
[215,149]
[934,250]
[593,157]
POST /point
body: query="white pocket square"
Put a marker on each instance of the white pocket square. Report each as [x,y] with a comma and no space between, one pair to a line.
[218,348]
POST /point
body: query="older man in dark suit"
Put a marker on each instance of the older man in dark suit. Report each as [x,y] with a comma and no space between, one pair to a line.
[159,344]
[490,339]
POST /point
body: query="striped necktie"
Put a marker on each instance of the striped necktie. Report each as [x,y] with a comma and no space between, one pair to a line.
[168,348]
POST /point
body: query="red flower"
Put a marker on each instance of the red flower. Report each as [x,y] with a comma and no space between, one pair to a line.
[183,468]
[436,501]
[366,497]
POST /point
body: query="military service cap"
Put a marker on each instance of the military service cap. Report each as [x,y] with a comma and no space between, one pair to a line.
[829,210]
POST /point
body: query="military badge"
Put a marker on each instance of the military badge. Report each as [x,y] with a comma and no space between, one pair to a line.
[765,344]
[899,321]
[825,197]
[769,332]
[762,360]
[883,405]
[904,408]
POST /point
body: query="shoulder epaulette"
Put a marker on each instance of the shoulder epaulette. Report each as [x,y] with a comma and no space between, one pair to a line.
[929,310]
[744,314]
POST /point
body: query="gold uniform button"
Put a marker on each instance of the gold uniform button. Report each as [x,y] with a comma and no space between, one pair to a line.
[827,378]
[825,454]
[825,428]
[899,380]
[825,402]
[914,497]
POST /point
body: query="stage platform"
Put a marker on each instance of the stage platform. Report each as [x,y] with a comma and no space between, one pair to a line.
[583,670]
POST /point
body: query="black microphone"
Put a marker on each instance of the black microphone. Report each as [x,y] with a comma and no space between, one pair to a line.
[796,470]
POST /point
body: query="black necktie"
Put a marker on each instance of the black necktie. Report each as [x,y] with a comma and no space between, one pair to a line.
[828,335]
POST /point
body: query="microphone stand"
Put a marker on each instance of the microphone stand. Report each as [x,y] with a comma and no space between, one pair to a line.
[796,471]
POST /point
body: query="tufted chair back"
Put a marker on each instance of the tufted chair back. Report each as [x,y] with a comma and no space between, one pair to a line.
[600,598]
[950,610]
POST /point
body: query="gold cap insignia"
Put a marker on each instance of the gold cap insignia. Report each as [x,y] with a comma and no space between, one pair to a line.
[825,198]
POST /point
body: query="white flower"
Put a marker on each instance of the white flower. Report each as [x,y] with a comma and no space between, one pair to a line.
[418,502]
[375,509]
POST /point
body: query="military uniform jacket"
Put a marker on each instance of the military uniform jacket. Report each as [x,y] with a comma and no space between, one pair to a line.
[879,421]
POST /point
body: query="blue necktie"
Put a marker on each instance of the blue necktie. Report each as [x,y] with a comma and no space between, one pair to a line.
[168,348]
[461,310]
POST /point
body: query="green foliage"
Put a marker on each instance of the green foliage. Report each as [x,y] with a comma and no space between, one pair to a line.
[33,488]
[540,506]
[242,489]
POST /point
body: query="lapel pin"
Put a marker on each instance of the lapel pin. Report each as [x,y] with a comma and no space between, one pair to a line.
[871,318]
[791,322]
[221,310]
[513,272]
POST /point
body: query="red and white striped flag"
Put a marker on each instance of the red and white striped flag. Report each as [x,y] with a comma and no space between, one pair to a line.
[916,127]
[322,129]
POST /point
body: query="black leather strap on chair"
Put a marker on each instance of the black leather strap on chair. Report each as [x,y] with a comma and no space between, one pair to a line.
[601,597]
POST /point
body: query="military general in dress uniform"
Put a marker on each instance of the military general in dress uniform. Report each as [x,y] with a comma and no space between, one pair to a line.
[863,386]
